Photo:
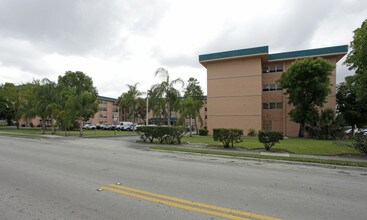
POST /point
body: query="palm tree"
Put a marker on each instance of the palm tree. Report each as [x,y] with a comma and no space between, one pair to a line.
[166,90]
[47,95]
[130,99]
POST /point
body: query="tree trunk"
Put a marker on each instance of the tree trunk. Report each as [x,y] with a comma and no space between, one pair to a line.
[190,126]
[80,127]
[43,126]
[169,115]
[301,133]
[52,125]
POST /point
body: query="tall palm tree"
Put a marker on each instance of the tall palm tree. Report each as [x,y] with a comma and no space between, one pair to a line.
[166,90]
[130,99]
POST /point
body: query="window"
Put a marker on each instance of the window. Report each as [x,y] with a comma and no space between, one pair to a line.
[103,115]
[115,110]
[273,68]
[273,105]
[102,102]
[102,109]
[279,68]
[272,87]
[266,87]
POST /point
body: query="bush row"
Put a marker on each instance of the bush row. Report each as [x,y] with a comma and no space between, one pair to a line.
[167,135]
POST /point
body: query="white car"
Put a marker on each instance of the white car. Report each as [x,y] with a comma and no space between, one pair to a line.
[123,126]
[89,126]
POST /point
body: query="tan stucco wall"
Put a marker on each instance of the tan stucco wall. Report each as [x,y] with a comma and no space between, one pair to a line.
[234,94]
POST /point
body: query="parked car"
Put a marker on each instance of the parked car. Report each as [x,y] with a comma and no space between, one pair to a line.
[89,126]
[123,126]
[105,126]
[133,127]
[361,131]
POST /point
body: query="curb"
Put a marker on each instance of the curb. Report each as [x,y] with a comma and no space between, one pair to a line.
[329,166]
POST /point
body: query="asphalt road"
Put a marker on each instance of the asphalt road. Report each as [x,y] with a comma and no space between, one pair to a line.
[59,178]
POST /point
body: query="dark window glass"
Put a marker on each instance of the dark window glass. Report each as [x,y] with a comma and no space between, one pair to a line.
[265,105]
[266,87]
[265,69]
[273,87]
[279,68]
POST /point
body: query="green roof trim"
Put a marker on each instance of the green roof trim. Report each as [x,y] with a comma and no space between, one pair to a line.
[106,98]
[310,52]
[234,53]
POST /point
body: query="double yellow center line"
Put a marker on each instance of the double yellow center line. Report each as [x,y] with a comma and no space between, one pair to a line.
[186,204]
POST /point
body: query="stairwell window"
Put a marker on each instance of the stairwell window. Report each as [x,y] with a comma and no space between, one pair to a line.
[273,105]
[273,68]
[272,87]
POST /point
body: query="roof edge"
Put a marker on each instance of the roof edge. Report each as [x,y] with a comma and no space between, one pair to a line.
[234,53]
[342,49]
[106,98]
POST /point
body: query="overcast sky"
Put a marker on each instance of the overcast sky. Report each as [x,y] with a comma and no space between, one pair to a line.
[119,42]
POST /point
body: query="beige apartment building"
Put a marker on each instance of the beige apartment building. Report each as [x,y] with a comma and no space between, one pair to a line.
[108,111]
[243,91]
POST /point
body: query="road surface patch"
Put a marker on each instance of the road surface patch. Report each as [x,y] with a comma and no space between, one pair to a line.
[185,204]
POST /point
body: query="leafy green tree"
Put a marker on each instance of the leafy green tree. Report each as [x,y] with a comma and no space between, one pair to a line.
[357,60]
[193,101]
[353,111]
[6,112]
[166,90]
[307,85]
[30,101]
[79,97]
[16,98]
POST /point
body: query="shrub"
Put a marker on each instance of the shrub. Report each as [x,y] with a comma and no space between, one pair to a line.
[360,143]
[167,135]
[270,138]
[227,136]
[203,132]
[31,125]
[325,125]
[251,132]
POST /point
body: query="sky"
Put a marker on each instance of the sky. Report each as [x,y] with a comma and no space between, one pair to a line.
[120,42]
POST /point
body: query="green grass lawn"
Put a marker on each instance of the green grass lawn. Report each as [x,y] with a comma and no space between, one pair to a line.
[291,145]
[86,133]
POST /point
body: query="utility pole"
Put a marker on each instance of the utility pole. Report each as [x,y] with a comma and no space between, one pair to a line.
[146,120]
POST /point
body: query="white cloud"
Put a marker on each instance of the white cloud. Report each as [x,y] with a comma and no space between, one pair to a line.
[124,42]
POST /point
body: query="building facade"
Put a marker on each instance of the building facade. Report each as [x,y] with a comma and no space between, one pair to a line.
[243,91]
[108,111]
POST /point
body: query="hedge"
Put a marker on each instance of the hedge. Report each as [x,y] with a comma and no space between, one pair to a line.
[167,135]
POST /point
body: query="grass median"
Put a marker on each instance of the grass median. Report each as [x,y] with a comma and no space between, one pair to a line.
[290,145]
[257,156]
[37,132]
